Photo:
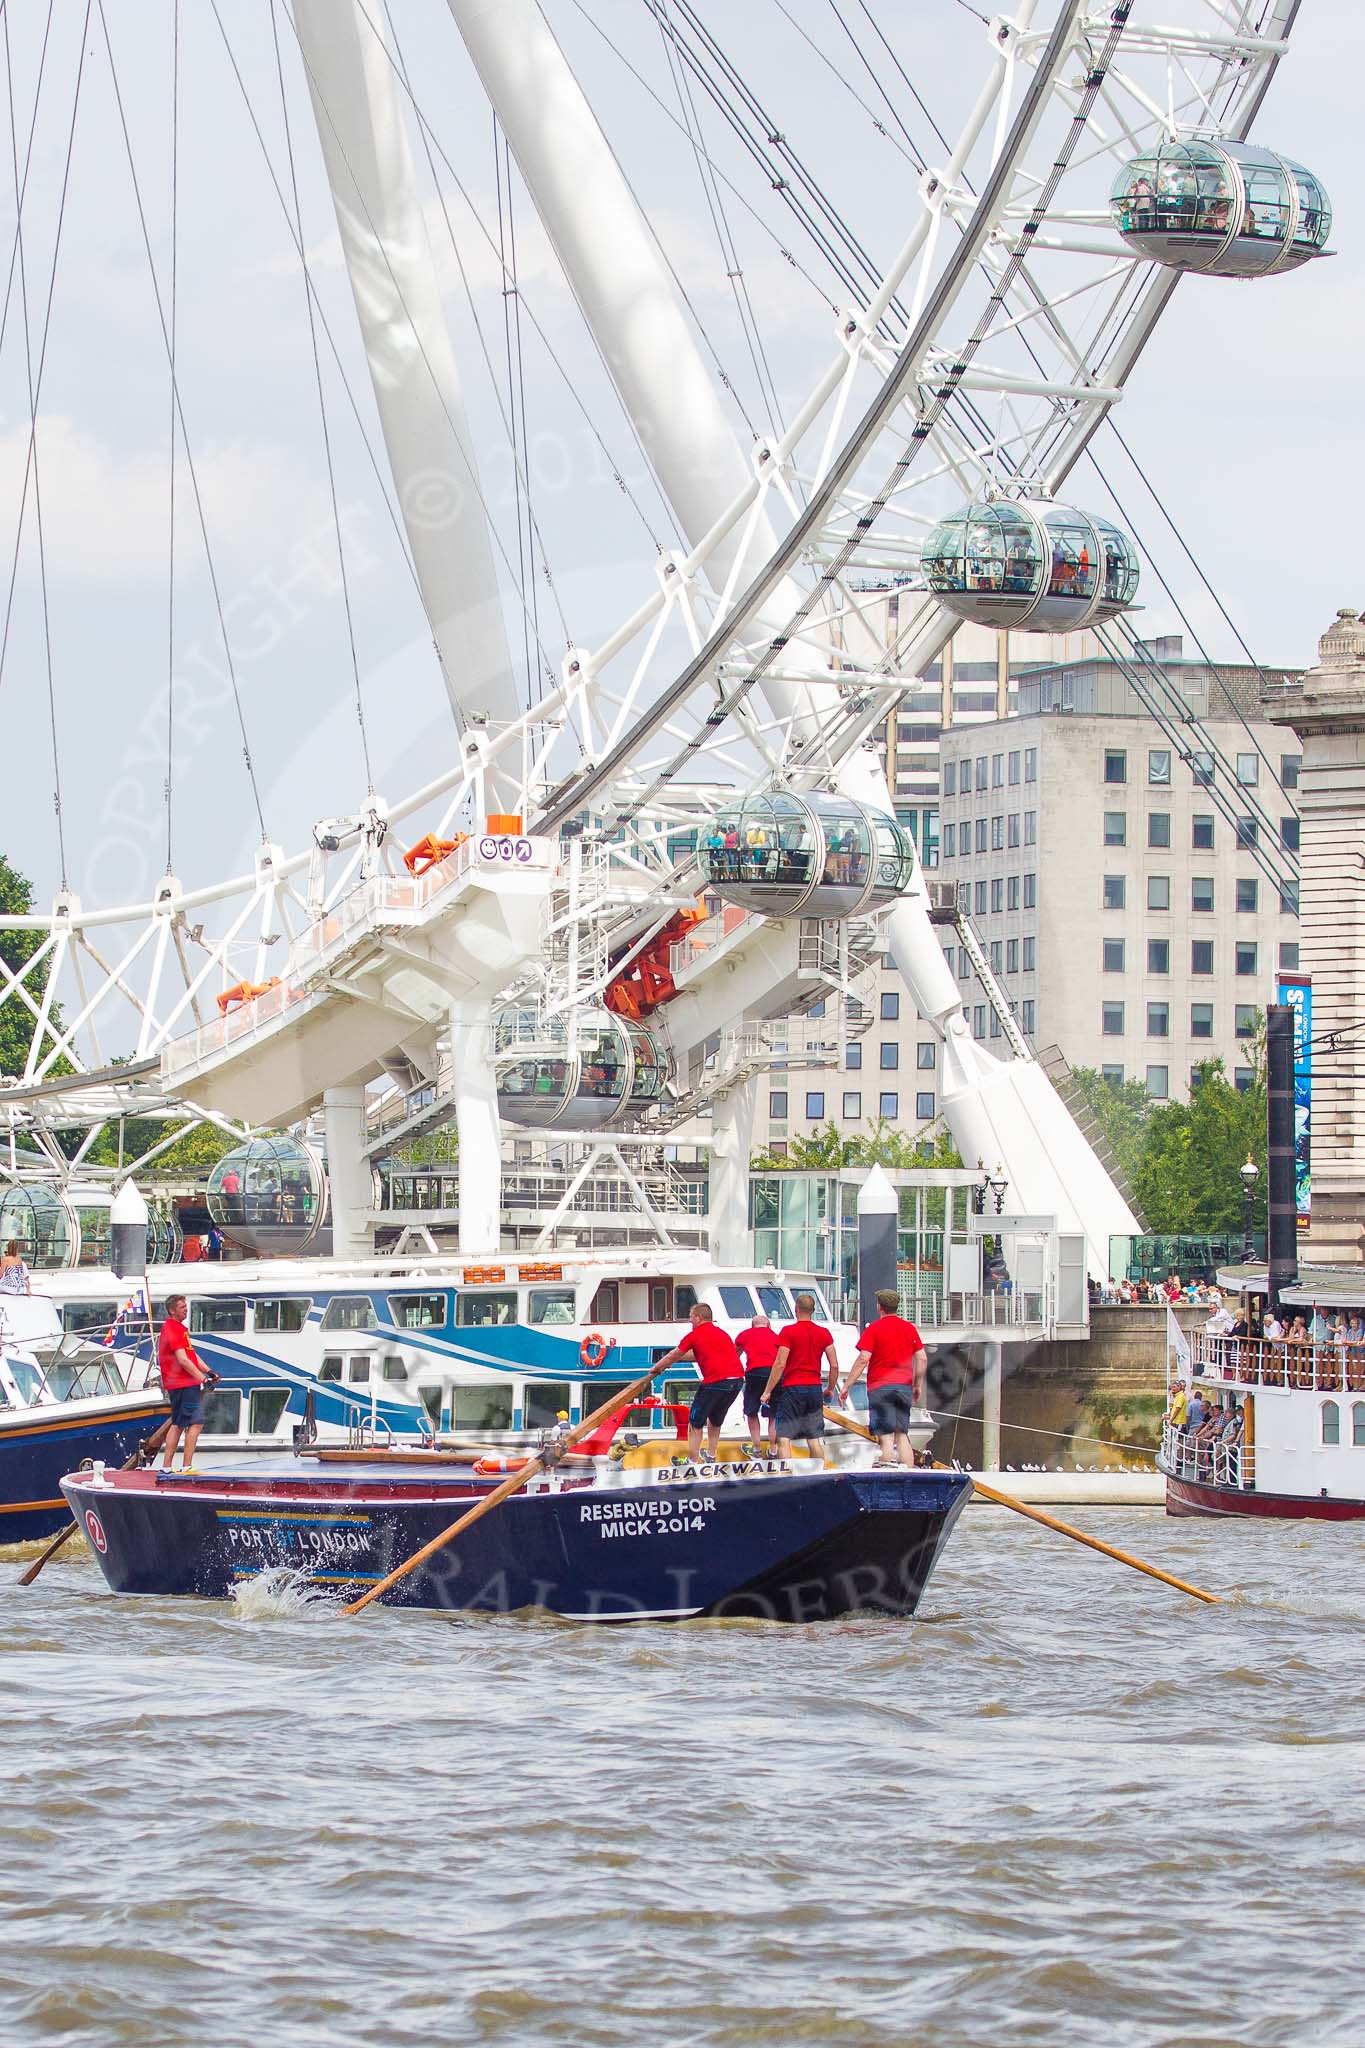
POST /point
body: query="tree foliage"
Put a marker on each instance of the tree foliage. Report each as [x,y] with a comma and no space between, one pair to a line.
[829,1148]
[1184,1159]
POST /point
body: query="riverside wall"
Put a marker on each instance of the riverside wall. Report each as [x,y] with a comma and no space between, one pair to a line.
[1065,1404]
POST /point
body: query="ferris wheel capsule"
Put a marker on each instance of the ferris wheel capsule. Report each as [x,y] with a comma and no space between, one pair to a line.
[782,853]
[551,1076]
[269,1195]
[1029,564]
[1225,209]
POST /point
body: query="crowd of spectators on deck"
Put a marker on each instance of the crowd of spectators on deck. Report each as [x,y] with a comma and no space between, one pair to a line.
[1153,1293]
[1203,1425]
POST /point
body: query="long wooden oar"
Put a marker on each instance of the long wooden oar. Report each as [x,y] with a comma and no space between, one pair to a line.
[146,1449]
[501,1493]
[1019,1507]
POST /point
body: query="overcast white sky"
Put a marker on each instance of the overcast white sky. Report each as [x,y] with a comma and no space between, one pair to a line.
[1244,410]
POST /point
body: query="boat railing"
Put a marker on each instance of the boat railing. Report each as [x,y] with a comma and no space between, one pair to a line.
[1206,1462]
[1275,1362]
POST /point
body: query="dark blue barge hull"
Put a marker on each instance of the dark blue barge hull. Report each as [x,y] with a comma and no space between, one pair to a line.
[38,1445]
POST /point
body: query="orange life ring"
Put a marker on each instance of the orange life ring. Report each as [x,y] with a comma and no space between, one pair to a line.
[485,1465]
[593,1349]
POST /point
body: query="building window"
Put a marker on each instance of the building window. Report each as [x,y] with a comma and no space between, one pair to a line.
[853,1104]
[1248,770]
[1014,769]
[1030,828]
[1115,892]
[777,1103]
[1201,956]
[950,778]
[998,833]
[1289,957]
[1289,834]
[1201,892]
[979,899]
[924,1107]
[1201,832]
[1012,835]
[1246,834]
[1159,1083]
[888,1056]
[964,964]
[1246,892]
[890,1005]
[981,771]
[1011,956]
[1116,828]
[997,956]
[1113,1075]
[1030,950]
[1158,1020]
[981,835]
[1115,764]
[1030,892]
[817,1010]
[1030,764]
[997,771]
[1246,956]
[1011,892]
[949,841]
[1113,956]
[1158,892]
[1159,828]
[853,1059]
[1026,1016]
[1201,767]
[1158,956]
[1246,1014]
[997,1030]
[1159,767]
[1244,1079]
[1290,765]
[1289,899]
[1111,1020]
[815,1104]
[979,1020]
[1201,1020]
[888,1104]
[926,1055]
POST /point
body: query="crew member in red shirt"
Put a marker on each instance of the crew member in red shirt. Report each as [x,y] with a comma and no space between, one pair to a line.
[805,1352]
[757,1346]
[891,1352]
[722,1376]
[183,1378]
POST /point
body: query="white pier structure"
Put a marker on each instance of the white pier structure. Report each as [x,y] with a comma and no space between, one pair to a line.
[565,834]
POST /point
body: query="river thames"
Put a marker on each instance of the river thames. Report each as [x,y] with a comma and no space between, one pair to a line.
[1066,1805]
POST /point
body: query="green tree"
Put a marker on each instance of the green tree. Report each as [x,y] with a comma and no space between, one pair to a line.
[1121,1110]
[16,1019]
[829,1148]
[201,1145]
[1189,1175]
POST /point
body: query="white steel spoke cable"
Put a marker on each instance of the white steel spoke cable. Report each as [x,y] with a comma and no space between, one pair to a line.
[170,481]
[247,760]
[322,407]
[28,159]
[502,159]
[916,154]
[33,387]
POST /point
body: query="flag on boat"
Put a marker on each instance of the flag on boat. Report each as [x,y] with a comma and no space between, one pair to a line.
[135,1305]
[1179,1343]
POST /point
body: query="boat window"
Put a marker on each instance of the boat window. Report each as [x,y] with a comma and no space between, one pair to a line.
[395,1369]
[660,1302]
[223,1412]
[208,1317]
[485,1311]
[679,1392]
[349,1312]
[287,1315]
[358,1370]
[89,1315]
[481,1407]
[330,1369]
[776,1301]
[684,1298]
[541,1401]
[1331,1423]
[595,1392]
[551,1305]
[264,1409]
[431,1401]
[1358,1423]
[821,1309]
[417,1311]
[606,1304]
[737,1301]
[27,1379]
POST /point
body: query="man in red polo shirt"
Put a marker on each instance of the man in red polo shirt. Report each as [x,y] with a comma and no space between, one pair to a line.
[804,1373]
[722,1376]
[892,1354]
[183,1378]
[757,1346]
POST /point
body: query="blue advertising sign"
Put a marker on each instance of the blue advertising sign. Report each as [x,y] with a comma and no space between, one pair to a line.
[1296,993]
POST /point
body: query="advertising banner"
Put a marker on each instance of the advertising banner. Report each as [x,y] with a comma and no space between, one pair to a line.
[1295,992]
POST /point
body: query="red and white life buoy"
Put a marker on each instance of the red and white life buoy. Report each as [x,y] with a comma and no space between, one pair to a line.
[487,1465]
[593,1349]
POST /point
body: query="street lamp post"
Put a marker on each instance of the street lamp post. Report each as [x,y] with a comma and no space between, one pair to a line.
[1248,1173]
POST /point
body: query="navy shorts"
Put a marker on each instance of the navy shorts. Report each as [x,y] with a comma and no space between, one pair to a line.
[755,1380]
[800,1412]
[712,1402]
[890,1408]
[187,1406]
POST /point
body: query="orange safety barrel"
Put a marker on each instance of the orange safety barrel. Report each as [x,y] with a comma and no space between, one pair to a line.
[505,823]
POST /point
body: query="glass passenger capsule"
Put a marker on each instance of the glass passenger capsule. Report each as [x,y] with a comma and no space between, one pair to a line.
[34,1216]
[1030,564]
[1227,209]
[269,1195]
[815,854]
[574,1074]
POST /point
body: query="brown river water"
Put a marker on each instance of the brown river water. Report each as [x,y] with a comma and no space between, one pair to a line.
[1066,1805]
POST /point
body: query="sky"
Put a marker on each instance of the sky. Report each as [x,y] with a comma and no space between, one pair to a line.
[1244,410]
